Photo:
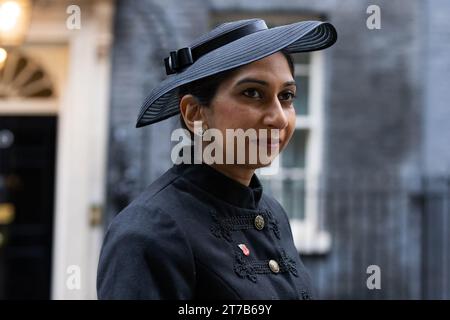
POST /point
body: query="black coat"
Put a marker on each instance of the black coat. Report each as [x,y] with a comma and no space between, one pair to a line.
[183,238]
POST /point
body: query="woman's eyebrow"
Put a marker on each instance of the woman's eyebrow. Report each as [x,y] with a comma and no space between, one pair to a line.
[262,82]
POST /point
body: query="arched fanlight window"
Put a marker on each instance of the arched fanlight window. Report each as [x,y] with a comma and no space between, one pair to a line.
[21,77]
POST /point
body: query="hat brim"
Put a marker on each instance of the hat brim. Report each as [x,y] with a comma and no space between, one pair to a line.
[304,36]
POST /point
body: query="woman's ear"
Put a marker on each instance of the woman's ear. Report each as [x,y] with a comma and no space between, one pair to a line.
[191,111]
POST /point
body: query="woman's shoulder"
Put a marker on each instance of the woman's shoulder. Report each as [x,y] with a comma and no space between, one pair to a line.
[147,212]
[143,229]
[142,247]
[154,197]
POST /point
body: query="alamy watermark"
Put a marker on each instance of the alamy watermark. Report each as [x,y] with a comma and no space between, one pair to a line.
[73,280]
[73,21]
[374,280]
[374,20]
[238,146]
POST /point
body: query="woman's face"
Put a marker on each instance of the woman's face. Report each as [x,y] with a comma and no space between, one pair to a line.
[257,96]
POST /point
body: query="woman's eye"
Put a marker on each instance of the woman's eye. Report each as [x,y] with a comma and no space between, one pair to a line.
[288,96]
[252,93]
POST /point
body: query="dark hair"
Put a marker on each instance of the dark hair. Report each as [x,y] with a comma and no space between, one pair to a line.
[205,89]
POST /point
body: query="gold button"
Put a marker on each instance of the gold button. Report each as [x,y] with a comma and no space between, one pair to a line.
[259,222]
[273,265]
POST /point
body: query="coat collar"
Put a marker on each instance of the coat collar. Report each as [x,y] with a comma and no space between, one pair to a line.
[221,186]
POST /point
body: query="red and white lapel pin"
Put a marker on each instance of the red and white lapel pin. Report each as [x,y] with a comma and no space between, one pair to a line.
[244,249]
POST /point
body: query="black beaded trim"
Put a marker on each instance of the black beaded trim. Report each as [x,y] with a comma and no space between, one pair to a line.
[249,268]
[288,263]
[273,223]
[222,228]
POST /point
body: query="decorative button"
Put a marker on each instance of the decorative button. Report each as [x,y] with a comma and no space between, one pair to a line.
[259,222]
[273,265]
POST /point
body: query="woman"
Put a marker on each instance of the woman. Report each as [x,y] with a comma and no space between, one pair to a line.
[206,230]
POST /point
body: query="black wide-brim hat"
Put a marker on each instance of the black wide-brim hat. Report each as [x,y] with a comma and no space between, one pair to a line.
[228,46]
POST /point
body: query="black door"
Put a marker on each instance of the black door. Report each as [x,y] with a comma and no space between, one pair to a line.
[27,172]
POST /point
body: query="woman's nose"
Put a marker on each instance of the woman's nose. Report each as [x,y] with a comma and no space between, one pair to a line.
[276,117]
